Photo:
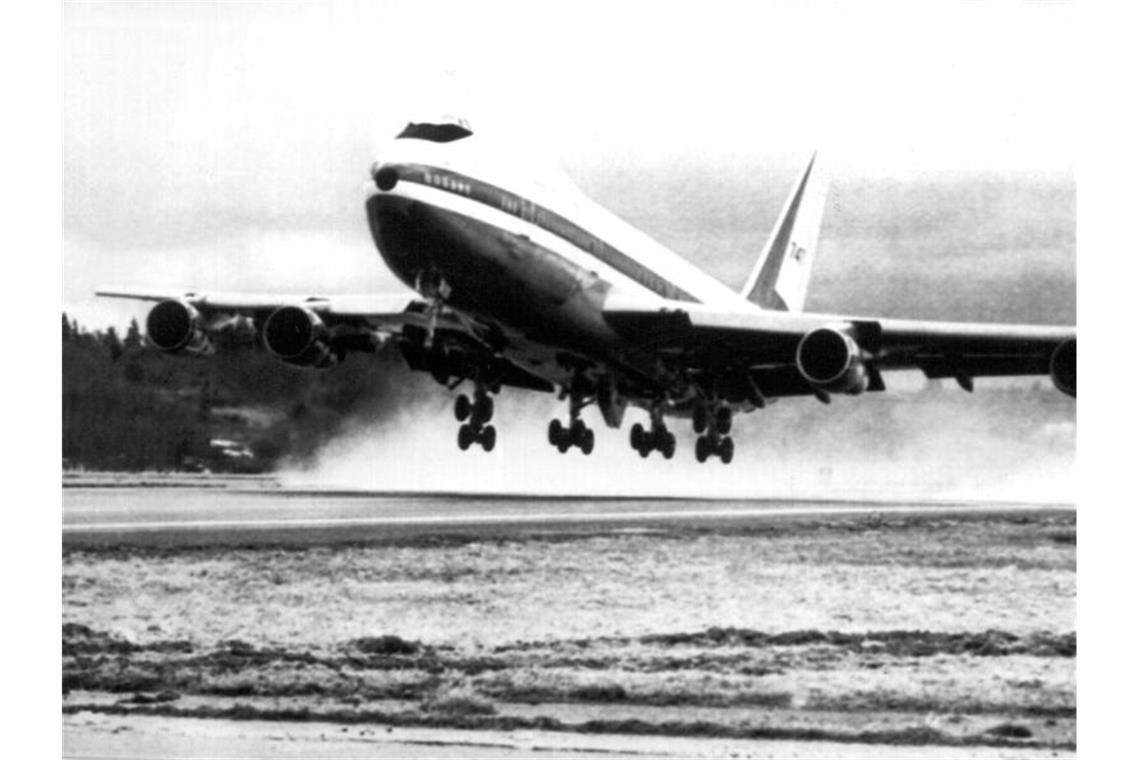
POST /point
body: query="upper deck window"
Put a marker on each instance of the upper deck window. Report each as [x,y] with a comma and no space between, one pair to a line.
[447,129]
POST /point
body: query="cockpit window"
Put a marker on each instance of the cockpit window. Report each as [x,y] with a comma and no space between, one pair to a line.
[441,131]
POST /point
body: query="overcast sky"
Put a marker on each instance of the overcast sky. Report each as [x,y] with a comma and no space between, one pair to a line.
[186,124]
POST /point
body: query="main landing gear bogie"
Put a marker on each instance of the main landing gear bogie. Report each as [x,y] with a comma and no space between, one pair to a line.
[475,414]
[657,438]
[712,446]
[713,426]
[577,433]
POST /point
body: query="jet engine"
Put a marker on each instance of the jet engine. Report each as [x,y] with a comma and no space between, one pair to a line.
[176,327]
[297,336]
[1063,367]
[831,361]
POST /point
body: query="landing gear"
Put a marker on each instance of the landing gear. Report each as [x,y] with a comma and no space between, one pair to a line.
[715,427]
[576,434]
[657,438]
[475,414]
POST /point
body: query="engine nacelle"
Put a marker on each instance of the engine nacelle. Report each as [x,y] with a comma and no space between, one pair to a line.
[1063,367]
[297,336]
[831,361]
[175,327]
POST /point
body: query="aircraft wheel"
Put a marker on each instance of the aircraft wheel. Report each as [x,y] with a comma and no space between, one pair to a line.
[487,438]
[466,437]
[462,407]
[587,442]
[727,449]
[563,443]
[554,432]
[703,449]
[484,408]
[637,438]
[723,420]
[700,419]
[668,445]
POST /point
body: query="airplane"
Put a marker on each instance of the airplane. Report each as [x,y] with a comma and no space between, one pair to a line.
[522,281]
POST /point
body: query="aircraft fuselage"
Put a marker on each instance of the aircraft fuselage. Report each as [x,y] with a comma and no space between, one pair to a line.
[532,261]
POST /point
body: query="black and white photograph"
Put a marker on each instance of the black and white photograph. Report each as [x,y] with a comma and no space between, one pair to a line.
[503,379]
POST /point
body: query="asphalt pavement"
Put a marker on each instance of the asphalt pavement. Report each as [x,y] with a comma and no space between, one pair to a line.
[198,515]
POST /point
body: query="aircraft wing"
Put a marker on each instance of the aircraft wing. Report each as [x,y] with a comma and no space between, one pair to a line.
[377,311]
[189,321]
[755,352]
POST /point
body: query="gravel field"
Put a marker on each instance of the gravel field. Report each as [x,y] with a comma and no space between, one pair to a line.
[905,631]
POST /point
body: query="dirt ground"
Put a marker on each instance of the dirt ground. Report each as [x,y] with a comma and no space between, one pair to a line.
[857,631]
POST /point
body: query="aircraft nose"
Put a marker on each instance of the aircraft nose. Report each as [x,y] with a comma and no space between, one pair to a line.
[384,176]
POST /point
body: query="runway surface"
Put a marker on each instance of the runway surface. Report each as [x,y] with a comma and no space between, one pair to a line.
[198,515]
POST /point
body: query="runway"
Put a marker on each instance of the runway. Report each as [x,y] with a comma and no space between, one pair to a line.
[201,515]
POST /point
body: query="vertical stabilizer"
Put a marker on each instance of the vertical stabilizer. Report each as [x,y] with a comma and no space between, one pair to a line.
[779,280]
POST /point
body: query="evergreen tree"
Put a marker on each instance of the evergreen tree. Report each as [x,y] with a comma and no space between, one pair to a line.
[133,339]
[66,328]
[113,344]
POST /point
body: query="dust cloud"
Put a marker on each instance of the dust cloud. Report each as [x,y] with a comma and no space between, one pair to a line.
[1008,442]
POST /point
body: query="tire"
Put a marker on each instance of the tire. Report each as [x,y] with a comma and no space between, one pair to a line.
[554,432]
[484,408]
[466,437]
[702,449]
[487,438]
[727,449]
[462,407]
[669,445]
[563,444]
[587,442]
[577,431]
[723,420]
[700,419]
[637,437]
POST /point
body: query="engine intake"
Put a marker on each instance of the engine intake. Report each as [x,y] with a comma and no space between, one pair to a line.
[176,327]
[1063,367]
[297,336]
[831,361]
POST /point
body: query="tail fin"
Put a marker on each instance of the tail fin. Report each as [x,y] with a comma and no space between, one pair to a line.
[779,280]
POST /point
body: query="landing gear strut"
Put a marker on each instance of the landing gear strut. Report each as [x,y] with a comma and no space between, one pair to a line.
[475,414]
[657,438]
[714,425]
[576,434]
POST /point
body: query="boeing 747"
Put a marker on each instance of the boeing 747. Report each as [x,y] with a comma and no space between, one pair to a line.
[522,281]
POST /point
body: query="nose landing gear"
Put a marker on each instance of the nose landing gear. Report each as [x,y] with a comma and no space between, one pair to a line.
[475,414]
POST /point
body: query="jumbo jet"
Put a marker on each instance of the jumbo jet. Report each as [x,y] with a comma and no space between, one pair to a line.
[522,281]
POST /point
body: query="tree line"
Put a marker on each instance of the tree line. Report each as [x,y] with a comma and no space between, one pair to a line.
[127,406]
